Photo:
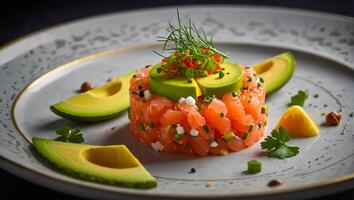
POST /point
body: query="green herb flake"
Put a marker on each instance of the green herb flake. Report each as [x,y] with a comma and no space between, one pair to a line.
[221,74]
[174,126]
[263,110]
[249,79]
[245,87]
[275,145]
[250,128]
[259,85]
[254,167]
[299,98]
[134,76]
[68,134]
[244,136]
[259,125]
[222,114]
[177,137]
[141,126]
[206,128]
[228,137]
[261,79]
[351,115]
[316,96]
[152,125]
[159,70]
[234,93]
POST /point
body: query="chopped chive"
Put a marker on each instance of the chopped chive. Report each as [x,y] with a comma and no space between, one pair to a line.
[141,126]
[159,69]
[316,96]
[263,110]
[206,128]
[174,126]
[261,79]
[177,137]
[221,74]
[254,74]
[245,87]
[249,79]
[259,125]
[222,114]
[228,137]
[250,128]
[351,115]
[147,66]
[254,167]
[325,105]
[134,75]
[244,136]
[134,92]
[234,93]
[259,85]
[192,171]
[152,125]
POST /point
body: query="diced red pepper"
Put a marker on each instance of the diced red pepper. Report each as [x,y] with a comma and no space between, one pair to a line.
[217,58]
[187,63]
[218,67]
[174,66]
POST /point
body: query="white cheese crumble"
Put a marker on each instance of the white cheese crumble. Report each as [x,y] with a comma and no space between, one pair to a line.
[182,100]
[213,144]
[190,101]
[157,146]
[179,129]
[194,132]
[147,94]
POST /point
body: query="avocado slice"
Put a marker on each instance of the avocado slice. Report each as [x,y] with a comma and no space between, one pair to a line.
[213,85]
[114,165]
[177,87]
[101,103]
[171,88]
[276,71]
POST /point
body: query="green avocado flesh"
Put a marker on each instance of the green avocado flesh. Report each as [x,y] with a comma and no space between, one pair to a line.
[171,88]
[114,165]
[177,87]
[213,85]
[101,103]
[276,71]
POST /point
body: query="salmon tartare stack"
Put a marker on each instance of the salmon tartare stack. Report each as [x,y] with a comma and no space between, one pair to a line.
[196,101]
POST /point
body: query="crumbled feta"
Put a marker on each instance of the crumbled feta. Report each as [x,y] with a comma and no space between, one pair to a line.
[194,132]
[182,100]
[213,144]
[157,146]
[147,94]
[190,101]
[179,129]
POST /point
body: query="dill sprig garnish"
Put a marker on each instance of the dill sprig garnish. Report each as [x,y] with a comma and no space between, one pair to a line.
[194,55]
[188,37]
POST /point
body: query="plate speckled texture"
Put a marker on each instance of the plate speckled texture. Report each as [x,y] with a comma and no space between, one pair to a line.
[101,47]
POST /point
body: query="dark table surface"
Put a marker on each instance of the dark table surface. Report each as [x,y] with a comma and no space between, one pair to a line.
[20,18]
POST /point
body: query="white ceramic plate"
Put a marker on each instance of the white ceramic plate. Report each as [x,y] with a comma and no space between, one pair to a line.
[97,48]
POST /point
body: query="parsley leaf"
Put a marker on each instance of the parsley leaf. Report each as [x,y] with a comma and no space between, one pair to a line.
[275,145]
[68,134]
[299,98]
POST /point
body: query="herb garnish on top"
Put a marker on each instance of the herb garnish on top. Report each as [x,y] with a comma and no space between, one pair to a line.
[194,55]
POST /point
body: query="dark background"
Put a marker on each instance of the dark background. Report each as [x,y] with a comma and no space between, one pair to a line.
[20,18]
